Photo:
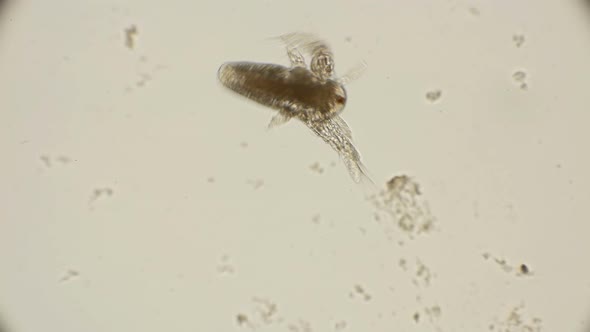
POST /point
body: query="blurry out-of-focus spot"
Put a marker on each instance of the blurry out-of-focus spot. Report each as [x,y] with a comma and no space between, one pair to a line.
[3,324]
[225,266]
[69,275]
[518,39]
[300,326]
[340,325]
[316,219]
[474,11]
[48,161]
[256,183]
[4,4]
[130,34]
[143,79]
[316,167]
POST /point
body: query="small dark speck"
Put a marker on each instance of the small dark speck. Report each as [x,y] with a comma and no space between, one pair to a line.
[348,39]
[416,317]
[524,269]
[211,179]
[244,145]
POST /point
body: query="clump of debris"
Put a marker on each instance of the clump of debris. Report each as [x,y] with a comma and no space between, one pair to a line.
[516,320]
[402,201]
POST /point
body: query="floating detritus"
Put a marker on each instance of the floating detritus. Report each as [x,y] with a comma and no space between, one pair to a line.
[516,320]
[402,202]
[433,96]
[520,78]
[521,269]
[518,40]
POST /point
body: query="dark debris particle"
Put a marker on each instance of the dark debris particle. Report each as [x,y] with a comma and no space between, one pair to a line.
[241,319]
[433,96]
[518,39]
[361,291]
[101,192]
[69,275]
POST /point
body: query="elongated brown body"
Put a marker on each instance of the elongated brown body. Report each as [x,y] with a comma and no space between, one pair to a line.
[309,94]
[290,89]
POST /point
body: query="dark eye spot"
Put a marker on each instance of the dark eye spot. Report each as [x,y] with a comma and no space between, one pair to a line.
[340,100]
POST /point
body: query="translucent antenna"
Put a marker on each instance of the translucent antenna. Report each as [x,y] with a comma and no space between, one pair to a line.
[353,73]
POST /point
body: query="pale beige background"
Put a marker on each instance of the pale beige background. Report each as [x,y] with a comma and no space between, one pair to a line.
[139,195]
